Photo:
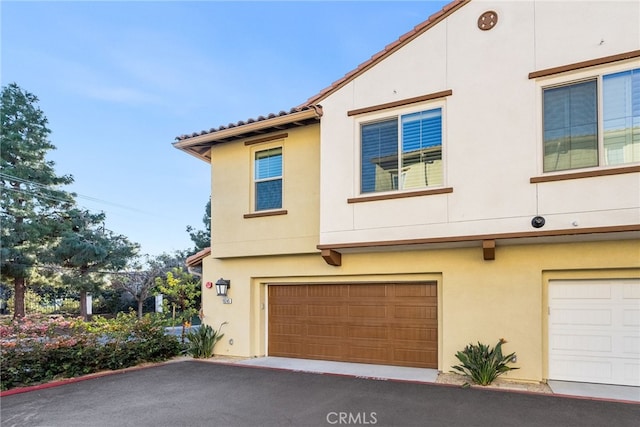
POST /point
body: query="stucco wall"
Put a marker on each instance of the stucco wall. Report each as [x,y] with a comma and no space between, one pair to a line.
[492,143]
[478,300]
[232,183]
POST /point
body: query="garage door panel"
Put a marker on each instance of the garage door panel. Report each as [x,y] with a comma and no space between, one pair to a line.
[332,351]
[414,312]
[368,323]
[332,331]
[288,329]
[324,310]
[413,291]
[376,291]
[577,368]
[585,343]
[414,334]
[631,317]
[289,310]
[288,348]
[587,292]
[594,331]
[413,356]
[367,311]
[374,332]
[584,317]
[631,346]
[327,291]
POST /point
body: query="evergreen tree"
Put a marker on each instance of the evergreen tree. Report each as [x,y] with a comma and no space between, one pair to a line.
[202,238]
[31,200]
[87,253]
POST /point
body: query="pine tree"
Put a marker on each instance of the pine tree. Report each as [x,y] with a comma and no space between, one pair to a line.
[87,252]
[202,238]
[31,200]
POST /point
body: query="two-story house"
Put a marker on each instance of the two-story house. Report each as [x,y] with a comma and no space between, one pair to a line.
[477,179]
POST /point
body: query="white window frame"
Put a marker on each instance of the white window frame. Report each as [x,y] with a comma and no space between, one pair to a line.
[383,115]
[570,78]
[253,193]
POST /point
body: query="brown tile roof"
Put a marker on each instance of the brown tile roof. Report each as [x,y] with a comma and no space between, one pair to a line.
[301,108]
[388,50]
[196,259]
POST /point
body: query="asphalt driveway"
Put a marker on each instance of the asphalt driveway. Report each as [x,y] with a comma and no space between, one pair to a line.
[193,393]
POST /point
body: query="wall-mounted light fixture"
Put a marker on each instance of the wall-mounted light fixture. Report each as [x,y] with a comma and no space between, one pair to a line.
[222,286]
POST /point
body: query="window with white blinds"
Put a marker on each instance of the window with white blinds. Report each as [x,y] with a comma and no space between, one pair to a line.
[402,153]
[268,179]
[577,136]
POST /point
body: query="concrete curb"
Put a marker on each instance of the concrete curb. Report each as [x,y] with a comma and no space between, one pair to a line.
[64,381]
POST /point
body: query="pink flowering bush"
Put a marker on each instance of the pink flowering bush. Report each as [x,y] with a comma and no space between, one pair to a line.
[39,349]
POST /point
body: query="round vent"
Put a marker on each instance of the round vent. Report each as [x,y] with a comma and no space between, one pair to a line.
[487,20]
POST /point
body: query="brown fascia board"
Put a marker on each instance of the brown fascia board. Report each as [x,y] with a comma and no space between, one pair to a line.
[239,132]
[388,50]
[338,247]
[196,259]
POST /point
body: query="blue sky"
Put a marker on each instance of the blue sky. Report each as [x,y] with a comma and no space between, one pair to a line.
[119,80]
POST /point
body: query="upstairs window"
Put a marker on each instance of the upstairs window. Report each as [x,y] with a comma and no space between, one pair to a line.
[402,153]
[577,136]
[268,179]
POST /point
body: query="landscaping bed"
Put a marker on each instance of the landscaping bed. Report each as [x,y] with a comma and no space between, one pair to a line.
[35,350]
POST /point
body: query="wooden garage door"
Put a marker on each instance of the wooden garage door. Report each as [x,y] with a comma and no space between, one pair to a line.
[390,324]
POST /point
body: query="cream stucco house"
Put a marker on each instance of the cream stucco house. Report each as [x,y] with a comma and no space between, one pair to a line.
[477,179]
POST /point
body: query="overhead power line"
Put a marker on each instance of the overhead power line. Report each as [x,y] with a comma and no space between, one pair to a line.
[81,196]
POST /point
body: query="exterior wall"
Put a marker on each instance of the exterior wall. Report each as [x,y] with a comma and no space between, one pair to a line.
[483,300]
[232,184]
[492,137]
[492,147]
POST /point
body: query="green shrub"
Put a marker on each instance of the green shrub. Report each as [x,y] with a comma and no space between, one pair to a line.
[201,342]
[482,363]
[36,350]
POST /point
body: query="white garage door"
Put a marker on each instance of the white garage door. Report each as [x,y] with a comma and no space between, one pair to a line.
[594,331]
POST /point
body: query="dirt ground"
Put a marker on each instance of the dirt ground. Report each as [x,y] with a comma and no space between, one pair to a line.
[499,383]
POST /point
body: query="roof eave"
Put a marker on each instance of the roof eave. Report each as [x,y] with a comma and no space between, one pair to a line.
[205,141]
[418,30]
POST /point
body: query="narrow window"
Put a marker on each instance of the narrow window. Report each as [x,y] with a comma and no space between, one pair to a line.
[621,117]
[268,179]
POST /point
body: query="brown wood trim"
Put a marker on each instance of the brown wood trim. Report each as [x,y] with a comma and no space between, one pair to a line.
[489,249]
[332,257]
[400,195]
[586,174]
[355,282]
[400,103]
[471,238]
[584,64]
[266,213]
[266,139]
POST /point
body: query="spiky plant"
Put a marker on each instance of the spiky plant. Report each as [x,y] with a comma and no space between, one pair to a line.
[483,364]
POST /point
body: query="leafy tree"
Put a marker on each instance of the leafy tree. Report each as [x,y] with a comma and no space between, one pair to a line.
[31,200]
[202,238]
[183,294]
[140,279]
[87,252]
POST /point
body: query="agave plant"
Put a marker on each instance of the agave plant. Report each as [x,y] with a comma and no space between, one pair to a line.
[482,363]
[201,342]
